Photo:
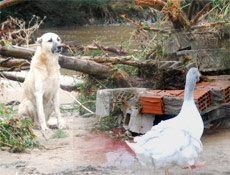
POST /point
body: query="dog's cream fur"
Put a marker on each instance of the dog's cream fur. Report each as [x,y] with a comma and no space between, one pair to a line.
[40,100]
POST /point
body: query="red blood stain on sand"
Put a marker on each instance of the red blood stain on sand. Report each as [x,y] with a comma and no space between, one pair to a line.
[101,149]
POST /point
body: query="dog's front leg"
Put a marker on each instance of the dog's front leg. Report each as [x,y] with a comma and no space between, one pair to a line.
[40,110]
[60,120]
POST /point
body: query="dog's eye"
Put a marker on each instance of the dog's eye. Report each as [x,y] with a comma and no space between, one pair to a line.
[50,40]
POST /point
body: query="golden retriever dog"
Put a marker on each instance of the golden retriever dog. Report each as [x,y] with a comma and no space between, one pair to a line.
[40,101]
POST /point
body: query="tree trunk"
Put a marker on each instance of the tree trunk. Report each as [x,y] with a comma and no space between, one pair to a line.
[67,62]
[13,62]
[21,79]
[78,63]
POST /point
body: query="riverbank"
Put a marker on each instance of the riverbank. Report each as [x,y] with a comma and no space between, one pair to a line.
[77,12]
[83,152]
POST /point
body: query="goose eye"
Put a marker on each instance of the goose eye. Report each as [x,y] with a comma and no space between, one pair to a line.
[58,39]
[50,40]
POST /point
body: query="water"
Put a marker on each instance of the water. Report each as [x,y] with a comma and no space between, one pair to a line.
[105,35]
[107,151]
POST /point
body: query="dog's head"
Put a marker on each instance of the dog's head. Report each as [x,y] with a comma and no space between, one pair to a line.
[50,42]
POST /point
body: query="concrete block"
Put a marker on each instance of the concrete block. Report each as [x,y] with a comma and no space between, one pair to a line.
[137,122]
[103,103]
[106,98]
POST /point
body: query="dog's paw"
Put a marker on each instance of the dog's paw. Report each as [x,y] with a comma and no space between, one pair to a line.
[52,121]
[44,128]
[62,124]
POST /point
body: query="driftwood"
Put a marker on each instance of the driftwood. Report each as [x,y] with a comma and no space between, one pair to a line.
[16,63]
[67,62]
[78,63]
[122,60]
[21,79]
[95,46]
[106,48]
[83,64]
[171,10]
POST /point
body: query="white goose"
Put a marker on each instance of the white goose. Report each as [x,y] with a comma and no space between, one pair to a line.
[174,142]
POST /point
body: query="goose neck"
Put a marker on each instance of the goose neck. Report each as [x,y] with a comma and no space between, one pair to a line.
[189,90]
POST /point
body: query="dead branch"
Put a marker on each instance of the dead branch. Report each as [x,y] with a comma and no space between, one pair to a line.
[88,65]
[17,52]
[17,31]
[10,62]
[196,18]
[95,47]
[141,26]
[7,3]
[67,62]
[107,48]
[206,14]
[190,9]
[122,60]
[157,4]
[21,79]
[210,25]
[171,10]
[79,63]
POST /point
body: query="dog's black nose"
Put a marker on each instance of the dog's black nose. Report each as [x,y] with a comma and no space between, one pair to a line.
[59,47]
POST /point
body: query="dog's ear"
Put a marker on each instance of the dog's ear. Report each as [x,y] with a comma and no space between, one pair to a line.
[39,41]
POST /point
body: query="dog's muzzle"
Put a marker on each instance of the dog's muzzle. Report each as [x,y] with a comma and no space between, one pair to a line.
[57,49]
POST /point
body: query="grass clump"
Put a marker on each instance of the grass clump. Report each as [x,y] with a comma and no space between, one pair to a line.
[59,133]
[15,134]
[105,124]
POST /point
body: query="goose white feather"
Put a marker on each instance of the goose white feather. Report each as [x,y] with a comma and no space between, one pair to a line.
[174,142]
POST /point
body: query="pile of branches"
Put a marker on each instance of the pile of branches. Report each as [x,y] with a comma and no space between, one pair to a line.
[15,134]
[149,59]
[173,13]
[17,32]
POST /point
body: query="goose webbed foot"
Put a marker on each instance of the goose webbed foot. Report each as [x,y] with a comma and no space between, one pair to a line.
[199,165]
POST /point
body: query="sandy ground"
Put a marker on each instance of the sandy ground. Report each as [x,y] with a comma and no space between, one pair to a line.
[85,153]
[80,153]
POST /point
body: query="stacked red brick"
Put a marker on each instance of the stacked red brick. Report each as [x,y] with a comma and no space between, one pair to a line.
[207,94]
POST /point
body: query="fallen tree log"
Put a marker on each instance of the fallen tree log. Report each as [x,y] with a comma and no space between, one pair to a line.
[106,48]
[95,46]
[21,79]
[67,62]
[80,63]
[10,62]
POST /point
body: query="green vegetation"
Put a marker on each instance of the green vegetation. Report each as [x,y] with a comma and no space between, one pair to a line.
[15,134]
[59,134]
[106,124]
[73,12]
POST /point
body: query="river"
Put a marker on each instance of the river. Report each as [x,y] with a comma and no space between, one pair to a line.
[105,35]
